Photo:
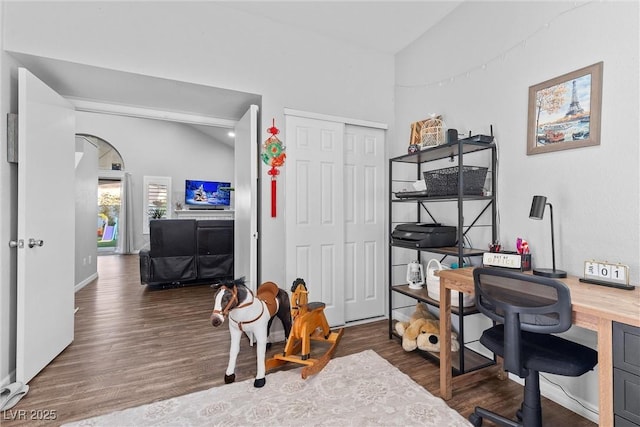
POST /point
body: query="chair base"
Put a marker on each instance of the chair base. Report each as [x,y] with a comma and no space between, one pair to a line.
[529,414]
[480,414]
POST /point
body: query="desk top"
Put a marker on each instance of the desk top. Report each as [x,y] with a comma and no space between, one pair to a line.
[618,305]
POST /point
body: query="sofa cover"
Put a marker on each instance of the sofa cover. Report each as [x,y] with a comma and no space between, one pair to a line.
[184,251]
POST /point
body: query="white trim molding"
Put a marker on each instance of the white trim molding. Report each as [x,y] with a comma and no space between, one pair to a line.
[330,118]
[148,113]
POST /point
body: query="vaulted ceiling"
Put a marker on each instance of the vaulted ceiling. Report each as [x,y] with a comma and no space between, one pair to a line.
[383,26]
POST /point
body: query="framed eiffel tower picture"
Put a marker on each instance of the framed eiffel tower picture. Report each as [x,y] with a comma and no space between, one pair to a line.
[565,112]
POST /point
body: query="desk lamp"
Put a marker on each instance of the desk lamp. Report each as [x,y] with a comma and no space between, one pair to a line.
[537,212]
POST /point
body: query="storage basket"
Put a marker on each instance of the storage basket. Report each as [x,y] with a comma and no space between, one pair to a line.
[428,133]
[433,286]
[432,133]
[444,182]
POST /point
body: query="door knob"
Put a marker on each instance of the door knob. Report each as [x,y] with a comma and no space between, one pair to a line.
[16,243]
[34,242]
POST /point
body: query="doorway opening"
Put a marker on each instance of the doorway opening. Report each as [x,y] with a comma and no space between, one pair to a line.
[109,201]
[110,169]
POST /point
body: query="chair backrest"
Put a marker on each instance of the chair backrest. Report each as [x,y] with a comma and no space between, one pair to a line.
[521,302]
[172,237]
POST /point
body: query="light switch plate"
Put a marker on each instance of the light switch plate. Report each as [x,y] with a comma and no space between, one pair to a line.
[502,259]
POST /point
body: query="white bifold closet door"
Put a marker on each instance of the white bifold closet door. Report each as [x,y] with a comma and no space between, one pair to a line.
[335,215]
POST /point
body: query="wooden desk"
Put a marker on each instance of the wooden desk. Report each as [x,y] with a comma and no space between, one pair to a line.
[594,307]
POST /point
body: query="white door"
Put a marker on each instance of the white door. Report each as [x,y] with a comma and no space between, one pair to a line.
[245,252]
[46,217]
[314,211]
[364,217]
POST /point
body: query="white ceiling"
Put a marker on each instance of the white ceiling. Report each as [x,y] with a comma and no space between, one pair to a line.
[383,26]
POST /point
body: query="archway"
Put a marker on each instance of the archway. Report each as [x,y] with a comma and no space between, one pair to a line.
[110,170]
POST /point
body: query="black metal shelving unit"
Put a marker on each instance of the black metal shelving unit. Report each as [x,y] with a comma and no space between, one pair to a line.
[466,359]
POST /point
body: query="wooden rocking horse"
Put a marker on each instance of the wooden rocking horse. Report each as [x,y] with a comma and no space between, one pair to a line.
[309,324]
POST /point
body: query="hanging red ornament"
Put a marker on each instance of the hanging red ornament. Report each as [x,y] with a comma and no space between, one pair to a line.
[273,155]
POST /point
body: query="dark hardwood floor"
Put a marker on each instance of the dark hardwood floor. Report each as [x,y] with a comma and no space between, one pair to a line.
[134,345]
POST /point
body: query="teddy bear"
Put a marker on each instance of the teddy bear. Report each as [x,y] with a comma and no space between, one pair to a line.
[422,331]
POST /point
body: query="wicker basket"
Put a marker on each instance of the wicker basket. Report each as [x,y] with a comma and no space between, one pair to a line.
[433,286]
[444,182]
[432,133]
[428,133]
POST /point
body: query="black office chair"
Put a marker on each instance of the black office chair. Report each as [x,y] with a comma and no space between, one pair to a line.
[527,310]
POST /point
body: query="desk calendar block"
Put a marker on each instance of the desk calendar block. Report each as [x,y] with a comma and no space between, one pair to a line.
[590,269]
[606,274]
[619,272]
[604,271]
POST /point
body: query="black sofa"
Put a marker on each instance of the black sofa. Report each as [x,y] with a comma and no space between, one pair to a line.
[187,251]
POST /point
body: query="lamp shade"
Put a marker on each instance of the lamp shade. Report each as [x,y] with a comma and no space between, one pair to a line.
[537,207]
[537,212]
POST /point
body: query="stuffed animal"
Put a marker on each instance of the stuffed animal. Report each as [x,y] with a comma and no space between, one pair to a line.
[423,331]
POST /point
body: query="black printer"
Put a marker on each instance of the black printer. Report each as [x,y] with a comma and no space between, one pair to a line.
[424,235]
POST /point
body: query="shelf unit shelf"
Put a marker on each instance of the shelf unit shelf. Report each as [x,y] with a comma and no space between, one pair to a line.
[472,360]
[447,250]
[422,295]
[443,151]
[466,359]
[439,199]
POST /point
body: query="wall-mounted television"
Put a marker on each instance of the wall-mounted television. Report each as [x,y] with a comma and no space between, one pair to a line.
[200,194]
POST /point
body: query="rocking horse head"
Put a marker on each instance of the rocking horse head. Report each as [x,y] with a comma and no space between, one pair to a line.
[229,295]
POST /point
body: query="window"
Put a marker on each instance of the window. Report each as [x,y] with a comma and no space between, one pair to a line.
[157,199]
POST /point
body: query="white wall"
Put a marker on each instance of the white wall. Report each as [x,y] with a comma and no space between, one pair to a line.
[159,148]
[595,191]
[86,212]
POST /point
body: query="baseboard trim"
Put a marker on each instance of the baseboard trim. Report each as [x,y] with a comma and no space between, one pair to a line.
[8,379]
[555,393]
[276,334]
[85,282]
[364,321]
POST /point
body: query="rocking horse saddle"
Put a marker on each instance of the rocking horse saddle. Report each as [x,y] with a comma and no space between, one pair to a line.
[312,306]
[267,292]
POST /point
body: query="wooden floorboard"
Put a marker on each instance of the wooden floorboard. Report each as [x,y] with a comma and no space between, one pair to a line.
[134,345]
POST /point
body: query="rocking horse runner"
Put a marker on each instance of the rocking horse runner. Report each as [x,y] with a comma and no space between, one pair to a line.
[309,324]
[252,315]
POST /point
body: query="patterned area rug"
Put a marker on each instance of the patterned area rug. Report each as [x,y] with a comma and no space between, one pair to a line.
[361,389]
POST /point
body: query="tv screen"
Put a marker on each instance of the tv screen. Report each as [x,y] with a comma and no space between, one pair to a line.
[212,194]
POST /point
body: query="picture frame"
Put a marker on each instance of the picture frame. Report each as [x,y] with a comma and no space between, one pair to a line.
[565,112]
